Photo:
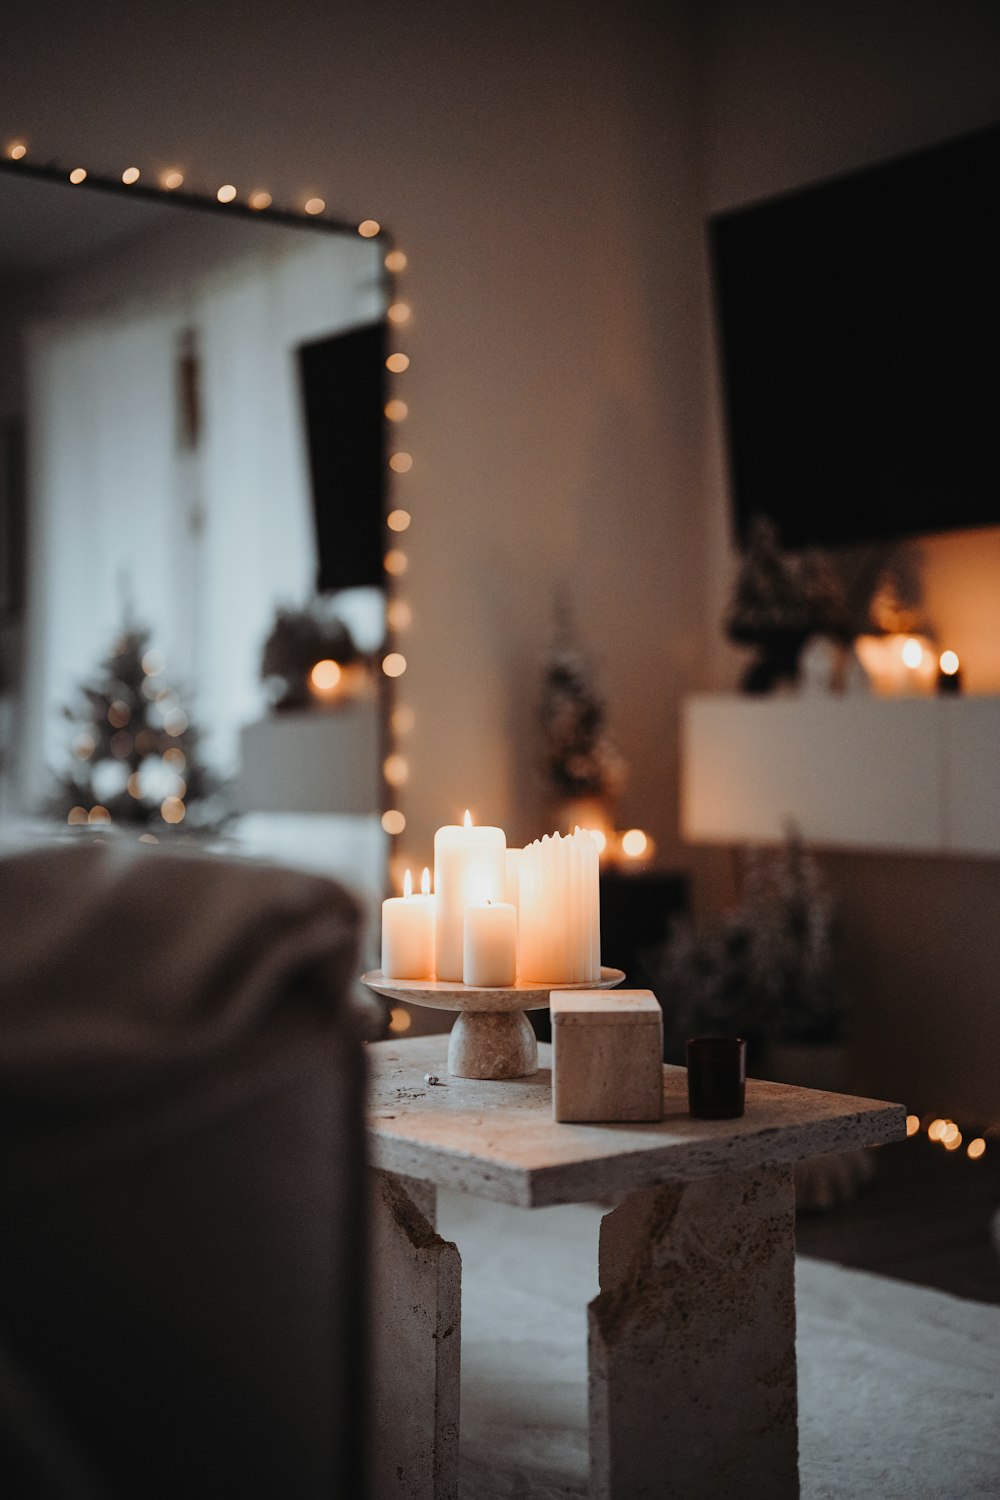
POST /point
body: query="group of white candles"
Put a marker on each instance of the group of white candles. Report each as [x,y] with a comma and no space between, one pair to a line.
[498,916]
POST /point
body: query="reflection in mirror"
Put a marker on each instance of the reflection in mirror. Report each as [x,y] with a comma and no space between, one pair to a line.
[199,399]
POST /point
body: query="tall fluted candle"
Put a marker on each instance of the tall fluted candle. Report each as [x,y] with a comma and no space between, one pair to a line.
[468,869]
[408,932]
[559,922]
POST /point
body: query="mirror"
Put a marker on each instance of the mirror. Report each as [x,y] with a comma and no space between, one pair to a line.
[191,419]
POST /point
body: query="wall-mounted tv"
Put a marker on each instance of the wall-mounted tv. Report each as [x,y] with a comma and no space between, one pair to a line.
[859,331]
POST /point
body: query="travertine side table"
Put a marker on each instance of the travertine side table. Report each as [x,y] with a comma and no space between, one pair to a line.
[692,1338]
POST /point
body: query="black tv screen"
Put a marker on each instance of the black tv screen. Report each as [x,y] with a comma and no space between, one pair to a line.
[859,332]
[342,381]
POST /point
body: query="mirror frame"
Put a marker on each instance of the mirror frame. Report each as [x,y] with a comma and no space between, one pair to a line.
[15,162]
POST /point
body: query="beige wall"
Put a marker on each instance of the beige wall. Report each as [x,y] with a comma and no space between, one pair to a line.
[795,93]
[538,163]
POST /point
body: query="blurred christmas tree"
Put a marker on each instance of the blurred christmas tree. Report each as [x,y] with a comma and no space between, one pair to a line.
[578,757]
[768,968]
[135,753]
[779,600]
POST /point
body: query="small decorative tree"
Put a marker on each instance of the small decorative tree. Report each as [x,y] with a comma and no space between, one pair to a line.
[779,600]
[767,969]
[136,761]
[299,639]
[578,758]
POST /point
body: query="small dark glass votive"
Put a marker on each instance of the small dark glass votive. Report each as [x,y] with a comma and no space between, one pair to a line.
[717,1076]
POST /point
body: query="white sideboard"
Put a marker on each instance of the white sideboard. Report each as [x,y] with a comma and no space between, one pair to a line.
[918,775]
[317,761]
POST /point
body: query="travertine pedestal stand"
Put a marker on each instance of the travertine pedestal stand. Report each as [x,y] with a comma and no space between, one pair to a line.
[492,1037]
[692,1338]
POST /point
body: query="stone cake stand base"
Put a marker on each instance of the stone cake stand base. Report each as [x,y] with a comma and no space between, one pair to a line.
[492,1037]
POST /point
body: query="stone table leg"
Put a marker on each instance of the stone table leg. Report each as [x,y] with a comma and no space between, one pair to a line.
[692,1343]
[416,1346]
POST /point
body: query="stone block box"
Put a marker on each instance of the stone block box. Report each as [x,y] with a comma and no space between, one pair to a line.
[607,1055]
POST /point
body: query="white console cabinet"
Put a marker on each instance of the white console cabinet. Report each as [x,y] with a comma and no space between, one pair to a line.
[918,775]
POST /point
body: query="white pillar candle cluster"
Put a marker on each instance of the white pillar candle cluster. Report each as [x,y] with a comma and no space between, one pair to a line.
[490,945]
[468,870]
[559,933]
[408,932]
[497,914]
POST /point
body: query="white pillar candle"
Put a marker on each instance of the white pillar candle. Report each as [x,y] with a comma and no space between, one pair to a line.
[490,948]
[408,932]
[468,869]
[559,919]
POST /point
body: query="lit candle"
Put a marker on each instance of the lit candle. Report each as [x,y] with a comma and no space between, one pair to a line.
[408,932]
[559,926]
[490,946]
[468,869]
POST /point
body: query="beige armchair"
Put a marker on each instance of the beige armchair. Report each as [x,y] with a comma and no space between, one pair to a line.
[182,1180]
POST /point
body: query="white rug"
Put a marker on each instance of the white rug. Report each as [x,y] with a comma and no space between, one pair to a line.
[899,1387]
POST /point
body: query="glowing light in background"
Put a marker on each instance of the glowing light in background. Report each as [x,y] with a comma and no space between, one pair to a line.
[398,312]
[153,663]
[600,838]
[398,520]
[78,175]
[99,815]
[175,758]
[119,714]
[401,463]
[226,193]
[396,769]
[936,1129]
[912,1124]
[975,1148]
[948,663]
[393,821]
[325,675]
[403,719]
[397,363]
[175,722]
[394,665]
[78,815]
[399,615]
[16,150]
[395,562]
[395,261]
[913,652]
[259,200]
[396,410]
[399,1019]
[172,810]
[172,179]
[314,205]
[130,175]
[634,843]
[369,228]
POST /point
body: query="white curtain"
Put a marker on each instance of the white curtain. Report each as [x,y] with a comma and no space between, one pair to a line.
[202,546]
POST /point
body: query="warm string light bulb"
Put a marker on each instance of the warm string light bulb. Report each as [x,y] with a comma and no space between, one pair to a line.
[130,175]
[259,201]
[172,180]
[78,175]
[369,228]
[396,766]
[314,205]
[226,193]
[17,150]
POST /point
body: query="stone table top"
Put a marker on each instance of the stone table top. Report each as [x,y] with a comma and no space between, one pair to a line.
[498,1139]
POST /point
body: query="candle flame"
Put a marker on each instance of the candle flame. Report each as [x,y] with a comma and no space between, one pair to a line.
[468,818]
[407,884]
[425,882]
